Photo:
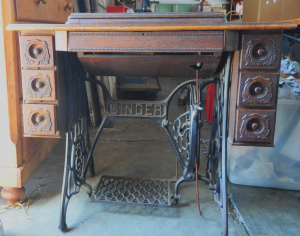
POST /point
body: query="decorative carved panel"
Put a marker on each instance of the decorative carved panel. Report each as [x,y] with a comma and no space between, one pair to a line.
[255,125]
[39,119]
[193,41]
[258,89]
[261,51]
[36,52]
[38,85]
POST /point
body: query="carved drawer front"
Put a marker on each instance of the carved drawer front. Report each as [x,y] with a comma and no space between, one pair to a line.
[44,10]
[261,51]
[255,125]
[191,41]
[36,52]
[258,89]
[39,119]
[38,85]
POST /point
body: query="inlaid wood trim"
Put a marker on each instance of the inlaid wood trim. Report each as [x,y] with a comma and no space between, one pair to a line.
[207,41]
[145,34]
[145,49]
[115,28]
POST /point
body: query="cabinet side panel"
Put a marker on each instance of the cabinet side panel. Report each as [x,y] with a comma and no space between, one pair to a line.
[233,93]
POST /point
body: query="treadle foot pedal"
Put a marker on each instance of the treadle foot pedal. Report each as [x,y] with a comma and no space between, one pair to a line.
[146,192]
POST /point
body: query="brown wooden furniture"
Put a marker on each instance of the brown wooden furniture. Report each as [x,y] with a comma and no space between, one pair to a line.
[256,67]
[40,73]
[181,39]
[22,155]
[43,10]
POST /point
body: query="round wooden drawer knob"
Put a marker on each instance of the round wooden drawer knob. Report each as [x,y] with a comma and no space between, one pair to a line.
[258,90]
[43,1]
[255,126]
[39,85]
[37,51]
[261,52]
[68,6]
[39,118]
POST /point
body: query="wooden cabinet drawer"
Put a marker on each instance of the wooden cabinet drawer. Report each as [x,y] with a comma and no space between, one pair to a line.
[43,87]
[261,51]
[189,41]
[44,10]
[255,125]
[258,89]
[36,52]
[39,119]
[38,85]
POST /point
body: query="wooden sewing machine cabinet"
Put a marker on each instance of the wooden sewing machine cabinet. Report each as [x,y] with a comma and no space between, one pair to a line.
[162,45]
[154,45]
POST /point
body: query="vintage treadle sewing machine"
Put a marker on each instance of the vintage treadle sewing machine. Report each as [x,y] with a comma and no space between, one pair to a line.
[241,59]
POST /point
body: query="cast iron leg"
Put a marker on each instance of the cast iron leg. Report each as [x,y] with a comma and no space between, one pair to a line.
[65,198]
[176,195]
[88,146]
[224,149]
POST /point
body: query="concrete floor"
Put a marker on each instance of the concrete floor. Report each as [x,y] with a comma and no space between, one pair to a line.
[140,148]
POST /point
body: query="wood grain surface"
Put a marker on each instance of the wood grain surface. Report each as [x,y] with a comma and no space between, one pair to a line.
[101,22]
[114,28]
[149,65]
[191,41]
[56,11]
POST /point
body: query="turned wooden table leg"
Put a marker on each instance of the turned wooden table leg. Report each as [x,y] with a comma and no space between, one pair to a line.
[12,195]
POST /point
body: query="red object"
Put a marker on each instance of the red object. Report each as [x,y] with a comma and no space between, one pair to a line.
[210,102]
[113,9]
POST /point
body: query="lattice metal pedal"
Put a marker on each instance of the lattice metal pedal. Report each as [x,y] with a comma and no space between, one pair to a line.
[147,192]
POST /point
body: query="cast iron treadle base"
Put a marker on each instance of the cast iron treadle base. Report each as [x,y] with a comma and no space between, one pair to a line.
[147,192]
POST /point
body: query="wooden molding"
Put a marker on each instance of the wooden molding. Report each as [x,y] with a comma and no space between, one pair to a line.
[12,94]
[17,177]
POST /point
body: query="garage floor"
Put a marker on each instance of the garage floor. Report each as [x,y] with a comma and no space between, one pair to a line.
[140,148]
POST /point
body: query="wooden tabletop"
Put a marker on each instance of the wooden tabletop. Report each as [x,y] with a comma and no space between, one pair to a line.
[149,22]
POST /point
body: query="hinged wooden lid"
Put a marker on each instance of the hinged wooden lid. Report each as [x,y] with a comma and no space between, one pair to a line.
[146,19]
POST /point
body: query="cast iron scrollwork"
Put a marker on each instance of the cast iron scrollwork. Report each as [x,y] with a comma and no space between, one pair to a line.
[76,160]
[80,151]
[217,157]
[186,129]
[184,135]
[181,134]
[77,154]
